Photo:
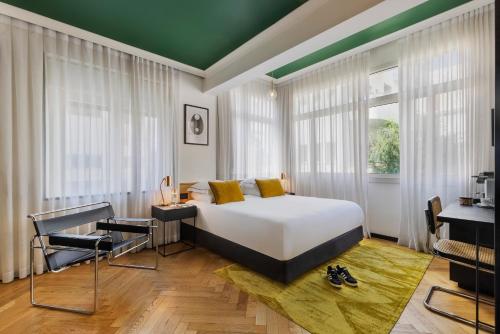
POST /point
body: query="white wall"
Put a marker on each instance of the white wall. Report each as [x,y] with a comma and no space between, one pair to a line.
[384,208]
[196,162]
[199,162]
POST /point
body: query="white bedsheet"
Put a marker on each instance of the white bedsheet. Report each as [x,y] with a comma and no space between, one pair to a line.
[281,227]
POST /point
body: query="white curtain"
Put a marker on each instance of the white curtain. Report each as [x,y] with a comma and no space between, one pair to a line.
[249,136]
[315,131]
[79,123]
[446,95]
[21,150]
[328,131]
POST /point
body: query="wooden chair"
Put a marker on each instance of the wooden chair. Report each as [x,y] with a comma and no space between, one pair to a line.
[458,252]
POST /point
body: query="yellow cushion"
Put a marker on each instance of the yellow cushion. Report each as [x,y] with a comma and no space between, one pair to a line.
[226,191]
[270,187]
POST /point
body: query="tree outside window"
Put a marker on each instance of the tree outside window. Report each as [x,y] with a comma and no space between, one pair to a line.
[383,131]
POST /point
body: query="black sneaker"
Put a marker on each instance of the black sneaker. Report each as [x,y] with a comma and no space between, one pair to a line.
[333,277]
[344,275]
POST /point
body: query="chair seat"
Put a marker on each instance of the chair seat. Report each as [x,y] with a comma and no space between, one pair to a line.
[63,258]
[126,242]
[465,252]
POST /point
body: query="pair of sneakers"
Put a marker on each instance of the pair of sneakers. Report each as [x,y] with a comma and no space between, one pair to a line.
[337,276]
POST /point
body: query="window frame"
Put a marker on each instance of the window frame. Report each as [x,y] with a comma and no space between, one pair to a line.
[376,102]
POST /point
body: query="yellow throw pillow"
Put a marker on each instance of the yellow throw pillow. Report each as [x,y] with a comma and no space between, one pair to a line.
[270,187]
[226,191]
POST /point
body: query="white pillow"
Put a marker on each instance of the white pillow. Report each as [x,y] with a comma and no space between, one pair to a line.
[252,180]
[250,189]
[199,191]
[200,186]
[248,181]
[207,198]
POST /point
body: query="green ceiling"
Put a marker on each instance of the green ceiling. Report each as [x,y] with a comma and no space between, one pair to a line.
[201,32]
[414,15]
[193,32]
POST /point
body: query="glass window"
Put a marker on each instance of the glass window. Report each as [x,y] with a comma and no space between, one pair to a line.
[384,82]
[92,133]
[383,138]
[383,124]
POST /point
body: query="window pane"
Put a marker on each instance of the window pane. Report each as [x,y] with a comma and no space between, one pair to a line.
[384,82]
[86,127]
[383,137]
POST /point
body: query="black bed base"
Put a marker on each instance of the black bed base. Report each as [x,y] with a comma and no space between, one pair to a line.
[283,271]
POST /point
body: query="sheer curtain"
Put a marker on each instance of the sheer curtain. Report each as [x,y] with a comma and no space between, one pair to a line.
[446,94]
[328,126]
[249,142]
[110,129]
[80,123]
[21,133]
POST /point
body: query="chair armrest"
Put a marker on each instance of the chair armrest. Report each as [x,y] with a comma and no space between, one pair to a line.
[80,241]
[141,229]
[133,220]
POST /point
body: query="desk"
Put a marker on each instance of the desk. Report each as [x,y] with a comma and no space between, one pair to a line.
[476,219]
[463,221]
[456,213]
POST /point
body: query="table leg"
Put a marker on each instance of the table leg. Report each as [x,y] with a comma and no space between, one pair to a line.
[191,245]
[164,238]
[477,279]
[194,232]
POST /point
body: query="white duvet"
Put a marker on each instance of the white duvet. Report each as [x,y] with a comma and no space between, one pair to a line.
[281,227]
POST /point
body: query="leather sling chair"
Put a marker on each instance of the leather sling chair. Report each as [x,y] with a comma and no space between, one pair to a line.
[458,252]
[65,250]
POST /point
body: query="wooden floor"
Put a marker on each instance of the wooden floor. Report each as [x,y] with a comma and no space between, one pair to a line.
[183,296]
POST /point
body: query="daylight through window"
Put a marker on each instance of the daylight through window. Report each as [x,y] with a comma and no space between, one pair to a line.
[383,125]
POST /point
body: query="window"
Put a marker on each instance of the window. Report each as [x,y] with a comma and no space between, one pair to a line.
[100,136]
[383,124]
[256,133]
[80,122]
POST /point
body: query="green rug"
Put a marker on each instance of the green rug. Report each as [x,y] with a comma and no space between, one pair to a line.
[387,276]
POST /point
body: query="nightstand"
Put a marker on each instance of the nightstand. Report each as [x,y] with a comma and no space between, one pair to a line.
[172,213]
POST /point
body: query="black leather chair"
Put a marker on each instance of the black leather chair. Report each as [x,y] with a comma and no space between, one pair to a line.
[64,250]
[457,252]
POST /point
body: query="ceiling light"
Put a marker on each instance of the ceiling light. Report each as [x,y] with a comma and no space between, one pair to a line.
[272,92]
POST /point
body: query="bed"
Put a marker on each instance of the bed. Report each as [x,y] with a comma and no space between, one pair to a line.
[281,237]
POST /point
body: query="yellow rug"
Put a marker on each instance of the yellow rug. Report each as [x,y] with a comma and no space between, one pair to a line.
[387,276]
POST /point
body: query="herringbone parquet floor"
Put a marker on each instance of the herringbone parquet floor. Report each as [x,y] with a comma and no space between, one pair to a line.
[183,296]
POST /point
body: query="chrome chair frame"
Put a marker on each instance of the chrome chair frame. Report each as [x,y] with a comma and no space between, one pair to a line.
[427,300]
[110,256]
[58,307]
[482,325]
[98,253]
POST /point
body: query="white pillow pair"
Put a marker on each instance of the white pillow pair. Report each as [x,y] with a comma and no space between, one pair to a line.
[201,192]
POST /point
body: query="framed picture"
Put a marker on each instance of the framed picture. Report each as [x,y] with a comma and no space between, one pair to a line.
[195,125]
